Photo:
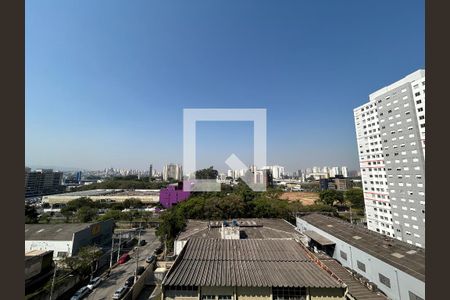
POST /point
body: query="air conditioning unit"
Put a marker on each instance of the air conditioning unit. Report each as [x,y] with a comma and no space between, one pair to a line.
[372,286]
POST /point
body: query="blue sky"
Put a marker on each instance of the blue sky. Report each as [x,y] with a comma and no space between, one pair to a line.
[107,81]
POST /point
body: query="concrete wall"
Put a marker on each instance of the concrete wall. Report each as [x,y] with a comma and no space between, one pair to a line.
[37,264]
[56,246]
[180,295]
[401,282]
[98,233]
[249,293]
[140,283]
[178,246]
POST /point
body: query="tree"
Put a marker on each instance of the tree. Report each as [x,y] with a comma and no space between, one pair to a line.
[89,255]
[172,223]
[31,215]
[208,173]
[76,204]
[45,218]
[83,262]
[132,203]
[355,197]
[111,214]
[329,197]
[86,214]
[67,213]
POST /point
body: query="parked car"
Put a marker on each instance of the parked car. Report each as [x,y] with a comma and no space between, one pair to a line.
[80,293]
[129,282]
[142,243]
[124,258]
[119,293]
[140,270]
[94,283]
[159,250]
[150,259]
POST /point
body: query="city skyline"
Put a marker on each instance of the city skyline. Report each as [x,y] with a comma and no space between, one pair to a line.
[113,95]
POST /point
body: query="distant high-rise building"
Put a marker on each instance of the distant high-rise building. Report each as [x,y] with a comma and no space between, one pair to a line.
[172,171]
[277,171]
[78,176]
[150,172]
[42,182]
[334,171]
[390,132]
[344,171]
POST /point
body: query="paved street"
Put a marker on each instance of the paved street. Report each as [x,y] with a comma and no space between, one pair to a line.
[120,273]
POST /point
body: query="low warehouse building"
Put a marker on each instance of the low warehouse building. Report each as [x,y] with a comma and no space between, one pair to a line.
[395,267]
[67,239]
[113,195]
[247,269]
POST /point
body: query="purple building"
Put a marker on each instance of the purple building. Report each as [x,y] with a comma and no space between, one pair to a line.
[172,194]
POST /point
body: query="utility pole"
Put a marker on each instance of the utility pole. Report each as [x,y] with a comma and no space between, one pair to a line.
[118,249]
[137,254]
[112,250]
[351,221]
[53,281]
[165,246]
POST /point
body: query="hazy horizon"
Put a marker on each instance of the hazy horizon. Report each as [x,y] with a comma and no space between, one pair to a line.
[107,82]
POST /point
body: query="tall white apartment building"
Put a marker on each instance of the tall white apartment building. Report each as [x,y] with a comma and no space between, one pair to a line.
[277,171]
[344,171]
[390,133]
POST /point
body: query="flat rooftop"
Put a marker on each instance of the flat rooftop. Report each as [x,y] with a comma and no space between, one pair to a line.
[249,229]
[405,257]
[52,232]
[247,263]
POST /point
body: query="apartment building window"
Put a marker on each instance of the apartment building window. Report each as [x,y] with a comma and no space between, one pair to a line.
[61,254]
[287,293]
[419,101]
[384,280]
[413,296]
[208,297]
[417,94]
[225,297]
[420,109]
[343,255]
[361,265]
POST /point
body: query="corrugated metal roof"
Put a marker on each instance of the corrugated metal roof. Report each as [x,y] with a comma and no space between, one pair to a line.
[264,228]
[373,243]
[249,263]
[53,232]
[318,238]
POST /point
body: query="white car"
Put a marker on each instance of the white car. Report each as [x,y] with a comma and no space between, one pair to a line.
[80,293]
[120,293]
[94,283]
